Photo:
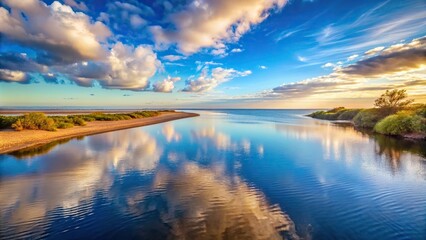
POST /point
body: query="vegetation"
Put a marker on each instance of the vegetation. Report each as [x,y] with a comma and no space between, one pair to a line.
[401,123]
[39,121]
[34,121]
[367,118]
[394,115]
[339,113]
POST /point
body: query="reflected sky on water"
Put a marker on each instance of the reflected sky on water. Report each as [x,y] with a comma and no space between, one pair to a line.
[234,174]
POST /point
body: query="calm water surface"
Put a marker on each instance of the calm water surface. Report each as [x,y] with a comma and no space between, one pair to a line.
[240,174]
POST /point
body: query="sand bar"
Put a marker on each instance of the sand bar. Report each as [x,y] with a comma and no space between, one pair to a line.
[11,140]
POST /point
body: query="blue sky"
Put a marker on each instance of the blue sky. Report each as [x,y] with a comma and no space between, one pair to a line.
[210,54]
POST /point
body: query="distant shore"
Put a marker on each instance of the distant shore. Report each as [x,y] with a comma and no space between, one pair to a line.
[65,111]
[11,140]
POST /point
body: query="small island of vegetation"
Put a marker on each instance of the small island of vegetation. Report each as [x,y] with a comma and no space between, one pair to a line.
[394,114]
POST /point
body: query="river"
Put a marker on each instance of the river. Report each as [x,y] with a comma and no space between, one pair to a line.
[233,174]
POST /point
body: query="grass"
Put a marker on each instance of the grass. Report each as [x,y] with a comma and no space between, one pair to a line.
[39,121]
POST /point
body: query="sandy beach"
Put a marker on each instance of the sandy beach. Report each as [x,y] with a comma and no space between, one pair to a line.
[11,140]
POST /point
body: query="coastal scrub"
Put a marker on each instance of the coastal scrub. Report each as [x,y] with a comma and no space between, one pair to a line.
[39,121]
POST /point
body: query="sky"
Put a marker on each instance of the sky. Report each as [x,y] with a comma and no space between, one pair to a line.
[210,53]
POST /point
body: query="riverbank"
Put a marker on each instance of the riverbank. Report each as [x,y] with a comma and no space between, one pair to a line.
[11,140]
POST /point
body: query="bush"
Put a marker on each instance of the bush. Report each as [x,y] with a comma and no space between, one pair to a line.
[34,121]
[401,123]
[63,125]
[18,125]
[349,114]
[421,111]
[7,121]
[368,118]
[339,113]
[78,121]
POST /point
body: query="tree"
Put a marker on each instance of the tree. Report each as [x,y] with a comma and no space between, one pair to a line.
[393,99]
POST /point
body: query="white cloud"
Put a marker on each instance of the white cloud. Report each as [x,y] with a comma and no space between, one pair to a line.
[206,82]
[167,85]
[219,52]
[212,23]
[131,67]
[173,58]
[66,35]
[236,50]
[263,67]
[136,21]
[352,57]
[201,65]
[328,65]
[374,50]
[126,67]
[302,59]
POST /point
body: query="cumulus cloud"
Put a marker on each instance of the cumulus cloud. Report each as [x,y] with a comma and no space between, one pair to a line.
[166,86]
[65,35]
[70,46]
[206,82]
[212,23]
[20,62]
[131,67]
[236,50]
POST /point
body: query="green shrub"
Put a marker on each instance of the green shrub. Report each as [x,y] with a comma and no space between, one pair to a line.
[63,125]
[7,121]
[48,124]
[18,125]
[421,111]
[34,121]
[349,114]
[401,123]
[78,121]
[333,114]
[368,118]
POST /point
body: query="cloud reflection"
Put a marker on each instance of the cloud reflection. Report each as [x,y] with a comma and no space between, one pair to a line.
[71,175]
[202,204]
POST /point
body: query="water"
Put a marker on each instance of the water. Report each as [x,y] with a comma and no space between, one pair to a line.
[235,174]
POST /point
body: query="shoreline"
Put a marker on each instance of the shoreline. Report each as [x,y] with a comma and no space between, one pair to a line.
[11,140]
